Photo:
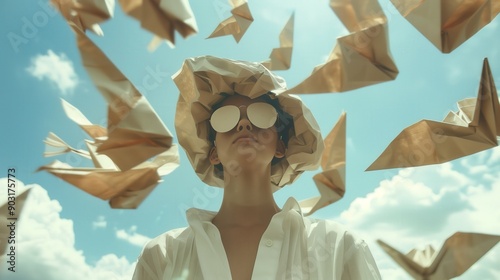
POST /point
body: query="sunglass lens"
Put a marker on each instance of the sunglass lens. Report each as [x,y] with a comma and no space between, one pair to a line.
[262,115]
[225,118]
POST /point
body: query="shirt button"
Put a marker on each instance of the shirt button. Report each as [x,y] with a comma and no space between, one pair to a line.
[269,243]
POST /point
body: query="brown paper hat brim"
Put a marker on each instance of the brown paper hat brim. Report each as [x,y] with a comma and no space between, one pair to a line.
[202,79]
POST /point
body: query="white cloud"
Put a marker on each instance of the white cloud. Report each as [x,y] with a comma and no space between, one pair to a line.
[100,222]
[401,202]
[46,246]
[112,267]
[58,69]
[131,236]
[426,205]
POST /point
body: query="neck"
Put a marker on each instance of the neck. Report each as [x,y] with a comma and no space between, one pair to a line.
[248,200]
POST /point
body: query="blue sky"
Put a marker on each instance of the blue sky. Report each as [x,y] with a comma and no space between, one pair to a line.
[65,230]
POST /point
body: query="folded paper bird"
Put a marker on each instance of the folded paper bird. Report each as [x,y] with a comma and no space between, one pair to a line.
[359,59]
[237,24]
[458,253]
[331,181]
[472,129]
[448,24]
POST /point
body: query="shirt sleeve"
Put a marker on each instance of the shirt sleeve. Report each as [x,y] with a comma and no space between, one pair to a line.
[359,262]
[152,261]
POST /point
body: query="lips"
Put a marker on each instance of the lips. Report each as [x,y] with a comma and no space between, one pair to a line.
[245,137]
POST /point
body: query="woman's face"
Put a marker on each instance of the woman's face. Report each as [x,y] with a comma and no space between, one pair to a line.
[246,144]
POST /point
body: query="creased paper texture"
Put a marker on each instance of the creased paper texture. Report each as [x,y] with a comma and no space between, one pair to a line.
[448,24]
[359,59]
[472,129]
[201,80]
[162,18]
[86,14]
[281,58]
[237,24]
[131,154]
[331,181]
[458,253]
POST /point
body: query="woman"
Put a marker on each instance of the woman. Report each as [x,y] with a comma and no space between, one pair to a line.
[242,133]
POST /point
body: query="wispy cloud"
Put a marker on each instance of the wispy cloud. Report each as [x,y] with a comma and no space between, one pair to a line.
[100,222]
[46,245]
[58,69]
[132,237]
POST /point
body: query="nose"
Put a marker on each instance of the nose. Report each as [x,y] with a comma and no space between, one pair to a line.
[244,123]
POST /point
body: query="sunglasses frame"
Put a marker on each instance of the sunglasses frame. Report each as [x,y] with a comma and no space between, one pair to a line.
[254,115]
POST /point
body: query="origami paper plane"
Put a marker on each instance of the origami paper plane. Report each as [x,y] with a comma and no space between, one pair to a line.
[122,172]
[330,182]
[86,14]
[8,215]
[55,146]
[124,189]
[237,24]
[472,129]
[162,18]
[359,59]
[448,24]
[134,132]
[458,253]
[94,131]
[281,58]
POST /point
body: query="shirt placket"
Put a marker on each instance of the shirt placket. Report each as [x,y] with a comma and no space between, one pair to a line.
[211,253]
[268,254]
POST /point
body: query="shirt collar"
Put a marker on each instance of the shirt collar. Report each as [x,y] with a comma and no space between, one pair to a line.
[292,204]
[195,215]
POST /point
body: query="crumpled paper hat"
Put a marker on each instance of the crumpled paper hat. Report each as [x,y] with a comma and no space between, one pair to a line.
[202,79]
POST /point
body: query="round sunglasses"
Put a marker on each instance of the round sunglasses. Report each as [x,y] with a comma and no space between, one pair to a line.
[260,114]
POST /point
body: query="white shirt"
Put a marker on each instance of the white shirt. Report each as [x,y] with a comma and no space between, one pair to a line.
[292,247]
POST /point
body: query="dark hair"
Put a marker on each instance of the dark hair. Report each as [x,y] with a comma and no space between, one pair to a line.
[284,124]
